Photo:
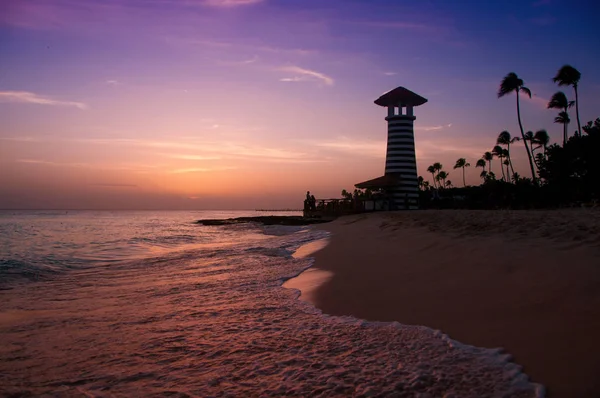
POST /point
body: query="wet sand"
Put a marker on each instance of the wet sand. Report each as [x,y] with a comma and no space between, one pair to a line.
[527,281]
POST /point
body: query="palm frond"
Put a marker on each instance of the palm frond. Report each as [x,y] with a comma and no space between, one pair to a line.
[503,138]
[558,101]
[563,118]
[541,137]
[510,83]
[567,76]
[525,90]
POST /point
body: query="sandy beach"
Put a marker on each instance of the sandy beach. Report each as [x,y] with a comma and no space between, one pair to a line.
[527,281]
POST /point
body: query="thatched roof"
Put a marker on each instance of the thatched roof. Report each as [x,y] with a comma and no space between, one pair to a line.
[400,96]
[385,181]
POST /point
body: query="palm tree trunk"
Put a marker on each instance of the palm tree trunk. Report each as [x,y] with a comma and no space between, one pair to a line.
[564,134]
[433,179]
[509,159]
[577,111]
[525,141]
[502,168]
[464,183]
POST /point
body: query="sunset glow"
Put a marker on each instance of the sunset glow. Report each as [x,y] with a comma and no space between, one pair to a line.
[242,104]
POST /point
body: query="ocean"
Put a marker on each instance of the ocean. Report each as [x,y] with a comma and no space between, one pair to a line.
[119,304]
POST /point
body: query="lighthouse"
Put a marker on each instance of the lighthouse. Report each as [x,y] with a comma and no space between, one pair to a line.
[400,178]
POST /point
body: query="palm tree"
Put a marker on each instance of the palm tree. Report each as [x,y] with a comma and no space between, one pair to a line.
[542,138]
[529,137]
[481,163]
[420,181]
[563,118]
[559,101]
[483,175]
[510,83]
[498,152]
[569,76]
[441,176]
[488,157]
[462,163]
[506,163]
[504,138]
[431,170]
[448,184]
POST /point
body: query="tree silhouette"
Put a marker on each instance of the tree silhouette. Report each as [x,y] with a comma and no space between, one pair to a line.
[499,153]
[542,139]
[563,118]
[504,138]
[512,83]
[488,157]
[462,163]
[569,76]
[441,176]
[432,170]
[559,101]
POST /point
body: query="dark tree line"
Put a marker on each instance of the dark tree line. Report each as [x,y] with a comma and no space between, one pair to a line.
[561,175]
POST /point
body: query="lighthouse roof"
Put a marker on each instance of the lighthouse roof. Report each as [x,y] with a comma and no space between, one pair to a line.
[400,96]
[385,181]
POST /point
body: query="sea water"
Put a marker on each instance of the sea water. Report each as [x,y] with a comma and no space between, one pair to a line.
[98,304]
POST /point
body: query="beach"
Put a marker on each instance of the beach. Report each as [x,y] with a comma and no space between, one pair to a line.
[526,281]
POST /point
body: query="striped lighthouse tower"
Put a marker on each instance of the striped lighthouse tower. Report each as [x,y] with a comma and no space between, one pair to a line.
[400,160]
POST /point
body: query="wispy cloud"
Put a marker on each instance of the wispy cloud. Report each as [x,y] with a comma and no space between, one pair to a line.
[353,146]
[305,75]
[20,139]
[249,61]
[191,157]
[230,3]
[216,44]
[121,167]
[33,98]
[113,82]
[433,128]
[390,73]
[116,185]
[35,161]
[399,25]
[201,170]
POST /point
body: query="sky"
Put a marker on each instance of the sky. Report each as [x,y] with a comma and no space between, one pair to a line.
[244,104]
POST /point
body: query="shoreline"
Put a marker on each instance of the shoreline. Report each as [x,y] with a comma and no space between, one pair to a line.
[524,281]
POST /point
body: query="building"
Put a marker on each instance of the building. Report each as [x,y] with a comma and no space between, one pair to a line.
[399,182]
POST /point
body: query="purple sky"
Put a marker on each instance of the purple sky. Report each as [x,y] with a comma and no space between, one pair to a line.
[214,104]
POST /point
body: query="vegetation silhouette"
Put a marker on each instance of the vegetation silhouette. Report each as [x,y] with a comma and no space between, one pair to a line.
[561,175]
[512,83]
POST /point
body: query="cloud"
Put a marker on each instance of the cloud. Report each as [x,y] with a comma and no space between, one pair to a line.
[35,161]
[20,139]
[433,128]
[399,25]
[251,47]
[116,185]
[365,148]
[32,98]
[113,82]
[201,170]
[191,157]
[242,62]
[305,75]
[230,3]
[390,73]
